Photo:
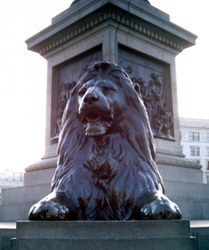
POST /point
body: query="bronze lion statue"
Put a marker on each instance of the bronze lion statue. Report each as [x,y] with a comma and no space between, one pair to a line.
[106,155]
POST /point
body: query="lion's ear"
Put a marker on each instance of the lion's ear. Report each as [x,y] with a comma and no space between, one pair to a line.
[137,88]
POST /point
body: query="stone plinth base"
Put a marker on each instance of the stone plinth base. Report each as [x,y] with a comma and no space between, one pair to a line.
[104,235]
[6,233]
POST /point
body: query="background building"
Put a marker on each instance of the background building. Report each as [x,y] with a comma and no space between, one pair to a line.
[195,142]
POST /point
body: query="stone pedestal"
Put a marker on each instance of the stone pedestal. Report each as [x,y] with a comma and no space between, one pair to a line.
[102,235]
[133,34]
[6,233]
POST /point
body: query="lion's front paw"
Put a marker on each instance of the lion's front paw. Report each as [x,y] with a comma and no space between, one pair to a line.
[47,209]
[160,208]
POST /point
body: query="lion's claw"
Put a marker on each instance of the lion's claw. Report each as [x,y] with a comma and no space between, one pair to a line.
[48,210]
[160,208]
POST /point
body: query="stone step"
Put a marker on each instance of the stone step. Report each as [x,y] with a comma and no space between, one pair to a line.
[14,212]
[191,209]
[200,230]
[39,177]
[192,198]
[174,190]
[103,229]
[5,235]
[25,194]
[186,191]
[194,209]
[180,174]
[141,244]
[16,202]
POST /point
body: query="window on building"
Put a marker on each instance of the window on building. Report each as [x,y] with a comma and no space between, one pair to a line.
[207,137]
[194,136]
[207,164]
[195,151]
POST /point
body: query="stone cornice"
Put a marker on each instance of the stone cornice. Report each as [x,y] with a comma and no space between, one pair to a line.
[177,162]
[43,164]
[192,123]
[58,33]
[144,10]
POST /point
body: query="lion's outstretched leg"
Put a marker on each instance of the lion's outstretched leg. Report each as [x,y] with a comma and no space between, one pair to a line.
[157,206]
[74,198]
[51,207]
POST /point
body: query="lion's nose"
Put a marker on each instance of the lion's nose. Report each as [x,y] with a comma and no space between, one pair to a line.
[91,98]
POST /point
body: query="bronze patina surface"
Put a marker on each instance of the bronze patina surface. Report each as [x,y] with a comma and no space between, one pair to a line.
[106,155]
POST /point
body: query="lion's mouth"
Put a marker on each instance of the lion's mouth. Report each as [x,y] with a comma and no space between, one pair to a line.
[92,118]
[96,122]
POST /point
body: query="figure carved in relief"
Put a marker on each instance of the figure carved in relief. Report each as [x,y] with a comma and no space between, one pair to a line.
[153,95]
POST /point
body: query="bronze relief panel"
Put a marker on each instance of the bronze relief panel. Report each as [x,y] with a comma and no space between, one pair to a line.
[152,79]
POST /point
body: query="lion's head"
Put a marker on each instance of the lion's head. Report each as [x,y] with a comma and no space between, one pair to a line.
[102,98]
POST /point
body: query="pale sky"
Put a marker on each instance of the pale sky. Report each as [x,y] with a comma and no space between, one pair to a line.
[23,73]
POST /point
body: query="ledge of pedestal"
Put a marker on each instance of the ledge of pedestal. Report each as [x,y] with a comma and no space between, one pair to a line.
[43,164]
[104,235]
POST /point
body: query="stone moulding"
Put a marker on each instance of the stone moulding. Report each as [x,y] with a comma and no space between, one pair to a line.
[43,164]
[167,161]
[138,26]
[70,26]
[178,163]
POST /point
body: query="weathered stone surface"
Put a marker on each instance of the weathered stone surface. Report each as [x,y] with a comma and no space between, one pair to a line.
[143,244]
[39,177]
[24,194]
[116,230]
[16,202]
[200,230]
[102,235]
[103,25]
[6,233]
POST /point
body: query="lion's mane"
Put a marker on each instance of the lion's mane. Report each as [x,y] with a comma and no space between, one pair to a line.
[107,176]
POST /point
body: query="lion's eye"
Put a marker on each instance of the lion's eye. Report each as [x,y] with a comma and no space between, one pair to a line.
[82,91]
[107,89]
